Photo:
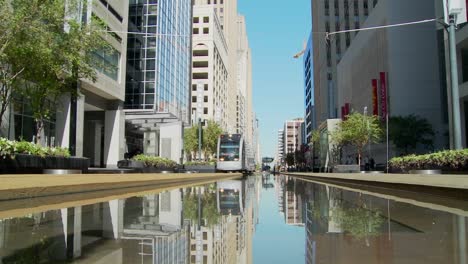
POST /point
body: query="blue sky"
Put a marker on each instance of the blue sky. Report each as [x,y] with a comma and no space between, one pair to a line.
[276,31]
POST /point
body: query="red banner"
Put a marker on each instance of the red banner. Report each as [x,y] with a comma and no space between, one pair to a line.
[343,113]
[375,101]
[383,95]
[346,110]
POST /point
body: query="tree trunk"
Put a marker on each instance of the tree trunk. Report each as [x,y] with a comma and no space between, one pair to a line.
[39,128]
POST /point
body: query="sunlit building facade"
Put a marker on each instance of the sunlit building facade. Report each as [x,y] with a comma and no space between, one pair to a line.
[158,76]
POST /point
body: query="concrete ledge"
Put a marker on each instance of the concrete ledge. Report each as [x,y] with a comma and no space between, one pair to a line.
[441,181]
[40,185]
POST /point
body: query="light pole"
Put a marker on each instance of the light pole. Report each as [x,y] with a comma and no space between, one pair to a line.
[199,138]
[454,83]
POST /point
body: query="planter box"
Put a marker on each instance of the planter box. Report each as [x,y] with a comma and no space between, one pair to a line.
[353,168]
[31,164]
[201,168]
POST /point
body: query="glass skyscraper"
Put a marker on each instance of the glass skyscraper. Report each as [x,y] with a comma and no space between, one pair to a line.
[158,55]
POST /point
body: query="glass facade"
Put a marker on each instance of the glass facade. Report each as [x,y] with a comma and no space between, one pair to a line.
[158,55]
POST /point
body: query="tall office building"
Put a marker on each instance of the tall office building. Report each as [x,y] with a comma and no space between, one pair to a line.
[228,17]
[158,76]
[209,67]
[280,148]
[309,95]
[384,77]
[331,16]
[292,136]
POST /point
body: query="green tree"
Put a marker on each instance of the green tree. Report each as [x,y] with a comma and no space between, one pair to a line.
[290,159]
[53,53]
[407,132]
[14,18]
[358,130]
[191,140]
[211,134]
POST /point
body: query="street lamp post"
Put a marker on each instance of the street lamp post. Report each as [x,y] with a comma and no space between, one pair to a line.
[199,139]
[454,83]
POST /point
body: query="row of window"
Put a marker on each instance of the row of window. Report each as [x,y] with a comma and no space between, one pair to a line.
[197,31]
[196,20]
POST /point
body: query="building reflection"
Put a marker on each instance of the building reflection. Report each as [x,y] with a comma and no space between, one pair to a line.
[169,227]
[352,227]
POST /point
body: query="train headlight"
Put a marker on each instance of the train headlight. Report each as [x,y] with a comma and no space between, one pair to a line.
[221,159]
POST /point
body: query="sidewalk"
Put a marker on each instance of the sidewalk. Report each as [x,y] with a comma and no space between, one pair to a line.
[40,185]
[439,181]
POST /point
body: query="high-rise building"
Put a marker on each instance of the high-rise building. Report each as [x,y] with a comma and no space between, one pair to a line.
[292,136]
[280,148]
[158,76]
[380,76]
[309,118]
[209,67]
[332,16]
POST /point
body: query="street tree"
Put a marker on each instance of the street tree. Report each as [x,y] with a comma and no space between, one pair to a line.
[358,130]
[407,132]
[54,53]
[211,134]
[191,140]
[14,18]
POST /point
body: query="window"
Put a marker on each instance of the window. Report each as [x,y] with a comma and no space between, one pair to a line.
[194,87]
[195,30]
[194,99]
[200,76]
[327,8]
[206,87]
[205,111]
[206,30]
[206,19]
[205,99]
[200,53]
[196,19]
[200,64]
[107,62]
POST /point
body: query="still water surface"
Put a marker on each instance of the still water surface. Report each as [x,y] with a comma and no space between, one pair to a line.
[258,219]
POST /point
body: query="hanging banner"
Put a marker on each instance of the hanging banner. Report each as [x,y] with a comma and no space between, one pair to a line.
[383,95]
[375,101]
[346,110]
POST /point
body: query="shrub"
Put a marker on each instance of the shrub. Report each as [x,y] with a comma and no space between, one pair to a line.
[447,159]
[200,163]
[9,148]
[153,161]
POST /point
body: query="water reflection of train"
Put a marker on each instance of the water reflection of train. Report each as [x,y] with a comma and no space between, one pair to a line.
[230,196]
[233,154]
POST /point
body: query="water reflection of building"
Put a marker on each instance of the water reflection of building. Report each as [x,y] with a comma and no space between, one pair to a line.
[154,223]
[352,227]
[152,229]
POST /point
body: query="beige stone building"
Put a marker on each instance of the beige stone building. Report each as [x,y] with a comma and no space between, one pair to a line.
[209,67]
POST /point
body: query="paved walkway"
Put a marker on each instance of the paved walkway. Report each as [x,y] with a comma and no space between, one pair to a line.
[441,181]
[39,185]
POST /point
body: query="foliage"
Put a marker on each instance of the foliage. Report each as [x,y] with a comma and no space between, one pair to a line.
[360,221]
[449,159]
[315,137]
[211,134]
[153,161]
[9,148]
[52,52]
[191,140]
[200,163]
[290,159]
[209,208]
[358,130]
[408,132]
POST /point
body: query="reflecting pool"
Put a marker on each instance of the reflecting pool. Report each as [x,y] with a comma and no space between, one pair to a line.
[256,219]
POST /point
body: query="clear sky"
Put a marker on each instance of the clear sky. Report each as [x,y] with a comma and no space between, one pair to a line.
[276,31]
